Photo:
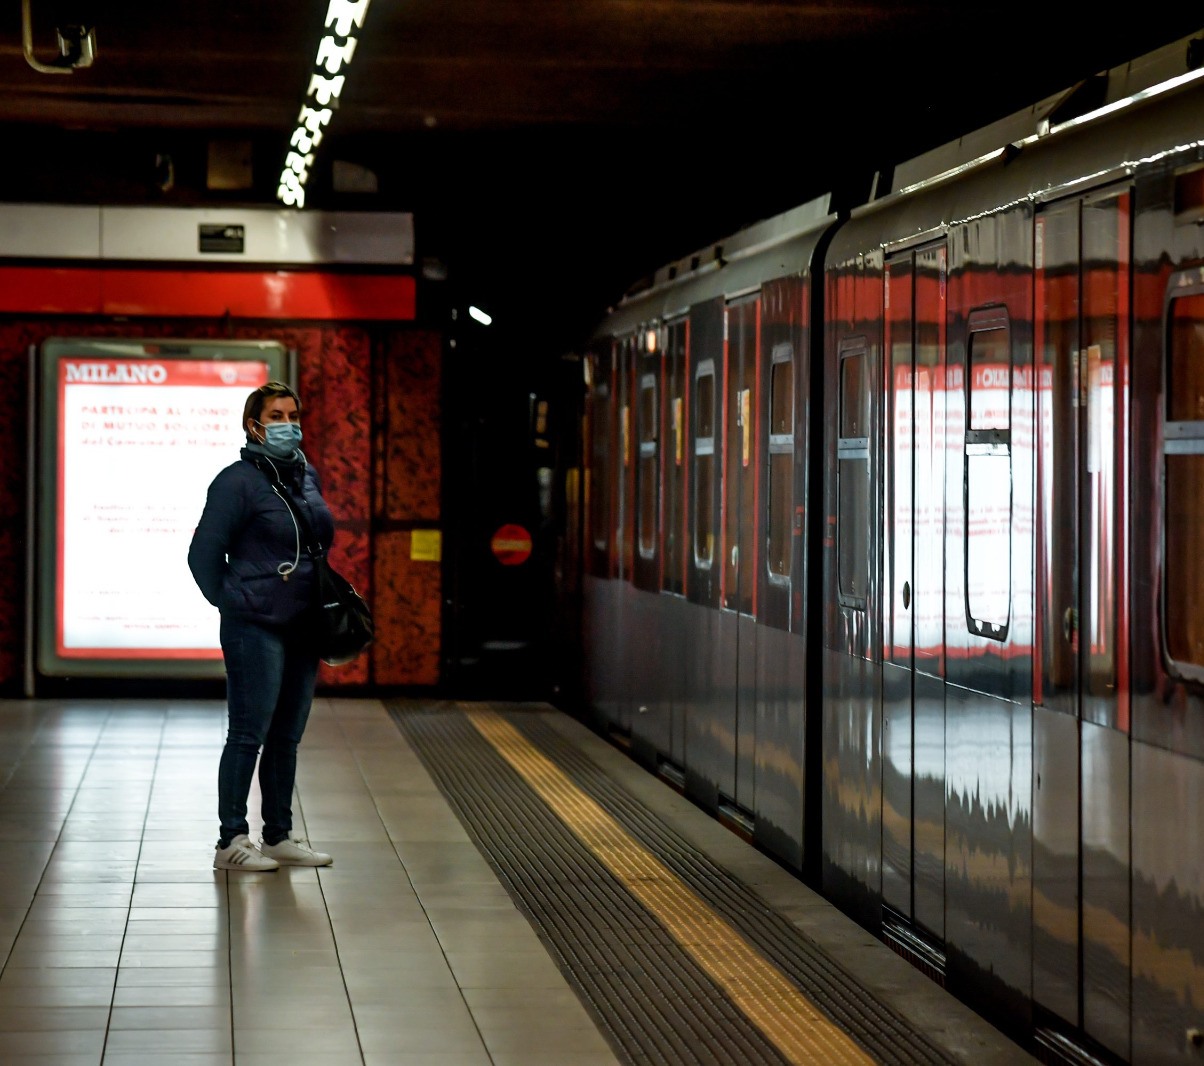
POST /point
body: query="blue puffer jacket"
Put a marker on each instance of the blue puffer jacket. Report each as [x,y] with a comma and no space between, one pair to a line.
[246,540]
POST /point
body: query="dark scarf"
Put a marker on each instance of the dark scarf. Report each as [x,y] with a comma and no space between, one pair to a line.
[290,472]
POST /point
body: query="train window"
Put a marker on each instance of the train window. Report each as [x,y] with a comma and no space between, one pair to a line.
[781,392]
[738,477]
[853,478]
[781,461]
[672,456]
[1104,356]
[624,517]
[704,465]
[988,474]
[649,482]
[1183,566]
[1185,385]
[705,408]
[1189,196]
[990,379]
[597,481]
[854,396]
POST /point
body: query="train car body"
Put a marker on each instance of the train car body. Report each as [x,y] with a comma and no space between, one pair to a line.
[694,626]
[890,556]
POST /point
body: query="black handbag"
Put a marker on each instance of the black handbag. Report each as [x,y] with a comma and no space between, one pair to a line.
[342,622]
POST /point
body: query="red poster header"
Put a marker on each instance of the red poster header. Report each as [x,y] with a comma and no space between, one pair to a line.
[151,371]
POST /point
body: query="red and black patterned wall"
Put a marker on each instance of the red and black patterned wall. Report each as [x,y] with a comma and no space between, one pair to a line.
[371,393]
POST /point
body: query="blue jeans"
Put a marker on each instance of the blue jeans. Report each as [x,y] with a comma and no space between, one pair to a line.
[270,677]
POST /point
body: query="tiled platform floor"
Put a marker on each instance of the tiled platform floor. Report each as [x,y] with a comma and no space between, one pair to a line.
[121,945]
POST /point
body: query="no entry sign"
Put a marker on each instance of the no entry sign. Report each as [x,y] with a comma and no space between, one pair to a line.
[511,544]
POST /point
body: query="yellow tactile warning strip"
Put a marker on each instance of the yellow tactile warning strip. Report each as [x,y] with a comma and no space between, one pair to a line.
[653,998]
[778,1009]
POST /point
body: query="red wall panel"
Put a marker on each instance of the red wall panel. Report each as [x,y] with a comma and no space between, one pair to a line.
[408,609]
[409,490]
[411,470]
[341,368]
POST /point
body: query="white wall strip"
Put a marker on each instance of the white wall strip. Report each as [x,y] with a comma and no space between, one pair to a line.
[206,234]
[33,231]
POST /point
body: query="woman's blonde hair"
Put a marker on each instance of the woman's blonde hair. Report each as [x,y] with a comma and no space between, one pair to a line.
[253,408]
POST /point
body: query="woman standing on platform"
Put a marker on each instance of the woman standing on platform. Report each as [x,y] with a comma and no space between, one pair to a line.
[250,560]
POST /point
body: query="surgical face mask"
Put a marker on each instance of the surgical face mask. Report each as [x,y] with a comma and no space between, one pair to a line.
[281,438]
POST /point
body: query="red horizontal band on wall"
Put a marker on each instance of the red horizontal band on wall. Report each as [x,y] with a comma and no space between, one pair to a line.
[50,290]
[207,293]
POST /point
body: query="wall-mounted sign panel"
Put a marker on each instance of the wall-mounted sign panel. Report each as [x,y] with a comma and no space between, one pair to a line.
[131,435]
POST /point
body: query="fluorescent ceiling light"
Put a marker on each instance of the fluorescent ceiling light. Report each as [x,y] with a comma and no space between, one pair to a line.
[344,19]
[479,315]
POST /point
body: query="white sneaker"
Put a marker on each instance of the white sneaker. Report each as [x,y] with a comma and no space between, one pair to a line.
[295,853]
[242,855]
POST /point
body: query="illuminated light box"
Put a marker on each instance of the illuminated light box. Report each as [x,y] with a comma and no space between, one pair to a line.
[131,434]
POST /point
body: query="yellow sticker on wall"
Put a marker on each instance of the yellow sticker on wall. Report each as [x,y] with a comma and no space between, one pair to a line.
[426,545]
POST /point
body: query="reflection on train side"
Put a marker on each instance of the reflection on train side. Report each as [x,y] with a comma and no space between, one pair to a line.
[995,514]
[916,604]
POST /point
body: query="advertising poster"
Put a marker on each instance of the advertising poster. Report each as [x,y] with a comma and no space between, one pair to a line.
[137,438]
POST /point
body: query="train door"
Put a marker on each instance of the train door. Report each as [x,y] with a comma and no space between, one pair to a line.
[647,504]
[597,582]
[850,861]
[781,680]
[1081,843]
[625,388]
[708,739]
[913,662]
[647,632]
[740,549]
[608,495]
[675,536]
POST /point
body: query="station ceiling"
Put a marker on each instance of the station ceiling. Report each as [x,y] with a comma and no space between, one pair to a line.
[551,150]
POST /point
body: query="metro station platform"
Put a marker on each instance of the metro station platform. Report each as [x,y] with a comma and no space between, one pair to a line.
[508,889]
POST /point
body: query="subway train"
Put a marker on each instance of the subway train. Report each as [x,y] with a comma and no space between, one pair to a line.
[881,543]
